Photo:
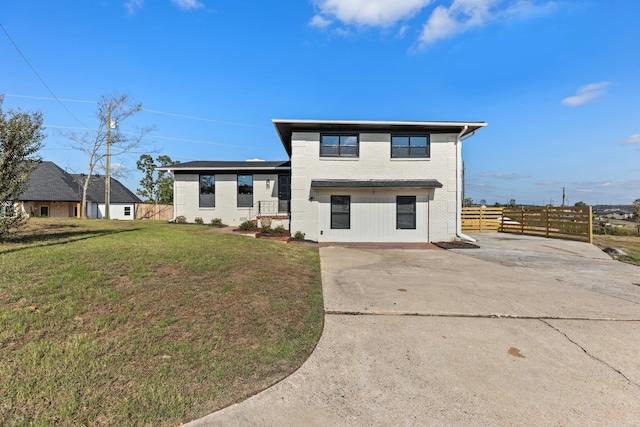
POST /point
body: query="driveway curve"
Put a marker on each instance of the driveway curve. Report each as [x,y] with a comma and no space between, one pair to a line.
[489,336]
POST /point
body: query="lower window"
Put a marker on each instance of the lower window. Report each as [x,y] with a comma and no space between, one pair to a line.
[340,212]
[127,211]
[406,212]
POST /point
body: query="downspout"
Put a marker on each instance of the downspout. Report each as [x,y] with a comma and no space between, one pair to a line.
[459,233]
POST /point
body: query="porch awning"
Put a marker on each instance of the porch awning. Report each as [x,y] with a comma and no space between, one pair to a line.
[375,183]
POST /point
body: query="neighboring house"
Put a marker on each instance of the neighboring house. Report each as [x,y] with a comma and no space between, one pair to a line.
[52,192]
[346,181]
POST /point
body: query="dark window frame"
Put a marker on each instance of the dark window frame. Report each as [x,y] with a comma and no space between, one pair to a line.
[337,214]
[244,204]
[201,194]
[127,211]
[341,149]
[413,151]
[412,214]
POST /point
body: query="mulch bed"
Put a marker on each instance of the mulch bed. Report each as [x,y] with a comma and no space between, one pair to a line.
[456,245]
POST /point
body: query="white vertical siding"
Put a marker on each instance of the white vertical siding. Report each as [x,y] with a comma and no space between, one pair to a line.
[374,162]
[373,216]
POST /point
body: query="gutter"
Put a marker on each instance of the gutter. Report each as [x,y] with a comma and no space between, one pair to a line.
[459,233]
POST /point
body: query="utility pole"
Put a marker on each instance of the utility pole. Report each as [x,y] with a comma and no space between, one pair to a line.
[107,174]
[564,195]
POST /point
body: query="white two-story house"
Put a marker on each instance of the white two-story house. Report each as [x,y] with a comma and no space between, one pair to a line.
[346,181]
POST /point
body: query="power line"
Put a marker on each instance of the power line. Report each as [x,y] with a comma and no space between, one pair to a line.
[198,141]
[48,99]
[165,113]
[38,76]
[203,119]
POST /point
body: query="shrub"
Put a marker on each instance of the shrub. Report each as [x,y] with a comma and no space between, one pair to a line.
[299,235]
[198,220]
[247,225]
[265,229]
[181,219]
[216,222]
[280,229]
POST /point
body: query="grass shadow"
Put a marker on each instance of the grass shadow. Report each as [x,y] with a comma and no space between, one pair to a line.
[54,239]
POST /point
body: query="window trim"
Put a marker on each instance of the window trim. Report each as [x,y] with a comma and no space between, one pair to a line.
[200,193]
[127,211]
[348,213]
[340,136]
[404,214]
[409,156]
[238,190]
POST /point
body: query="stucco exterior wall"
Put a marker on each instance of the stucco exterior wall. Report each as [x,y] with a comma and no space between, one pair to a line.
[56,209]
[117,211]
[437,209]
[187,198]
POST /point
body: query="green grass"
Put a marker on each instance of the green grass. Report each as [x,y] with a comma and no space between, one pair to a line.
[629,244]
[147,323]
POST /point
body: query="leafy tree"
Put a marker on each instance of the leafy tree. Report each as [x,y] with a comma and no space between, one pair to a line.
[483,202]
[580,204]
[20,139]
[512,203]
[155,186]
[467,202]
[112,111]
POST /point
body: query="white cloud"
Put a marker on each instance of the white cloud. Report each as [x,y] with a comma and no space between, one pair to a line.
[444,22]
[464,15]
[586,94]
[632,139]
[373,13]
[132,6]
[188,4]
[320,21]
[459,17]
[547,183]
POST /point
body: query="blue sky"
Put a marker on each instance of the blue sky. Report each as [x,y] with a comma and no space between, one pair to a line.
[557,81]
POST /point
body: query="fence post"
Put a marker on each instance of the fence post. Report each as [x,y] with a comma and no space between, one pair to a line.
[481,210]
[521,219]
[590,225]
[546,218]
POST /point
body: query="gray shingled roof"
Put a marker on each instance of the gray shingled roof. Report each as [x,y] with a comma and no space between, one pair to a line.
[119,193]
[228,165]
[48,182]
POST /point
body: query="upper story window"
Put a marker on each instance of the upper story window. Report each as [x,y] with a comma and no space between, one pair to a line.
[407,146]
[245,191]
[207,191]
[339,145]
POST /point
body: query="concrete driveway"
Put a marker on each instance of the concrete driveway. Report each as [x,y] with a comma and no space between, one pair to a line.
[523,331]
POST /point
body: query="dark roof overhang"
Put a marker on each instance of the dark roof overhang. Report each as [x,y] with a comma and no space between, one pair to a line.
[285,128]
[200,166]
[376,183]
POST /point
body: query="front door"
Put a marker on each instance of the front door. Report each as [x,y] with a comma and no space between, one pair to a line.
[284,193]
[44,210]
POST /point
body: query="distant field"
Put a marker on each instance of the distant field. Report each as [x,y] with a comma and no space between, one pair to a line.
[629,244]
[125,323]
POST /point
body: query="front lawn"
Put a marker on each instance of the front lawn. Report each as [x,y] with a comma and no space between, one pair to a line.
[147,323]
